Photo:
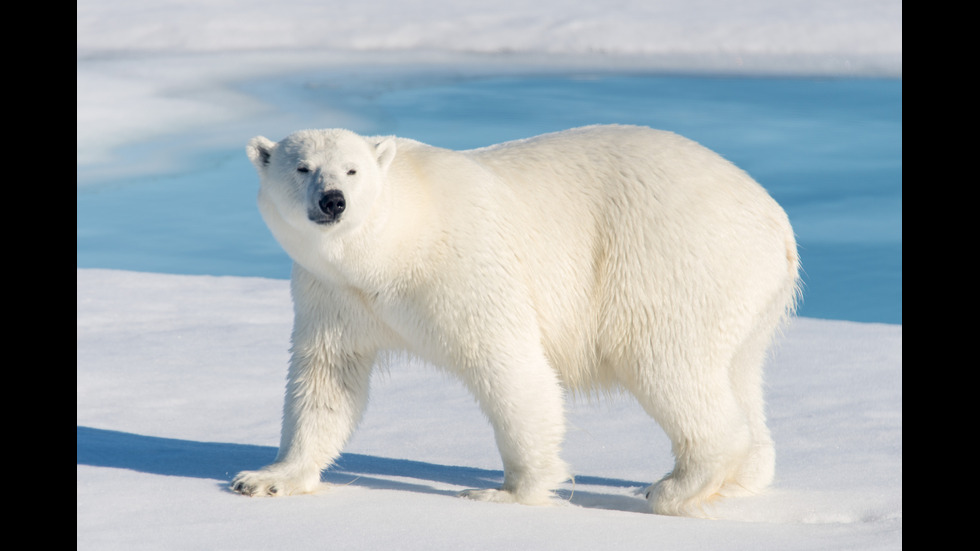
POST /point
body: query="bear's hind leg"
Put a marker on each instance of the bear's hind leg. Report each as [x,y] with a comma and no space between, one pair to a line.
[710,435]
[746,373]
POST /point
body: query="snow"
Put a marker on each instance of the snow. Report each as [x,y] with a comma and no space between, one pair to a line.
[150,68]
[180,383]
[180,378]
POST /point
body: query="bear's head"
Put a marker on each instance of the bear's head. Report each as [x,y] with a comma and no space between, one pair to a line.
[320,180]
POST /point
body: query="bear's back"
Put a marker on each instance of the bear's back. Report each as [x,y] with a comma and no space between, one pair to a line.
[623,224]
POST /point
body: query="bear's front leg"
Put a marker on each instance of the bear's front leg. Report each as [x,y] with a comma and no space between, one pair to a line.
[523,399]
[326,394]
[324,402]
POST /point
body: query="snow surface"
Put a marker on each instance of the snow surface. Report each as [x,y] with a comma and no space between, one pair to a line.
[180,378]
[150,68]
[180,382]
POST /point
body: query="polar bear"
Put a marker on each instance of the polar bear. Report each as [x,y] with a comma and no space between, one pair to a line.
[592,259]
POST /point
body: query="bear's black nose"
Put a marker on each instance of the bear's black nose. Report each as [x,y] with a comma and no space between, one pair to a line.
[332,203]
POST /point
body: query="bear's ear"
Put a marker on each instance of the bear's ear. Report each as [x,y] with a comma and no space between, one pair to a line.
[259,149]
[385,153]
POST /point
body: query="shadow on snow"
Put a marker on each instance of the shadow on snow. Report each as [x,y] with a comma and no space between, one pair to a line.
[222,461]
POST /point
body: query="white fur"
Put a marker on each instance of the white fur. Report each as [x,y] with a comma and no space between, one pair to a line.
[591,259]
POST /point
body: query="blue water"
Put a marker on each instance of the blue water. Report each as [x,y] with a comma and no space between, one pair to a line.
[829,150]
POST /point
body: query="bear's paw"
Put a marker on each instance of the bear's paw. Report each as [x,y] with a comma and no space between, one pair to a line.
[506,496]
[273,483]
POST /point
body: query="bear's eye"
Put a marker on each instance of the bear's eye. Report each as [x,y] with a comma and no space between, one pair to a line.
[302,169]
[351,172]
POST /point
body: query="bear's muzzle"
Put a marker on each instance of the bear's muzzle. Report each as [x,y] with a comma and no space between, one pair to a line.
[330,206]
